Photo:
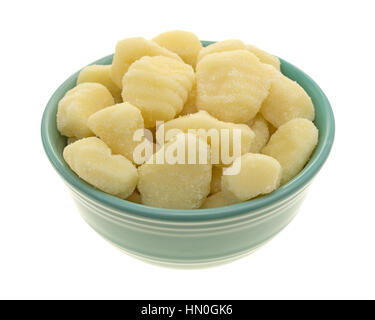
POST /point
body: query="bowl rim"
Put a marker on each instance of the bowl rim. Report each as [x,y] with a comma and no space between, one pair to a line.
[297,184]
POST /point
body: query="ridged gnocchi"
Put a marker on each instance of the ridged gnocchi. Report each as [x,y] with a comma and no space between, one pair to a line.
[172,124]
[158,86]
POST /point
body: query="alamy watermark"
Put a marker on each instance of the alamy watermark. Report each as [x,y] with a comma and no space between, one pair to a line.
[175,146]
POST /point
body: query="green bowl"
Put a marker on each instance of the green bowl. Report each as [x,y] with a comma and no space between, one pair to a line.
[191,237]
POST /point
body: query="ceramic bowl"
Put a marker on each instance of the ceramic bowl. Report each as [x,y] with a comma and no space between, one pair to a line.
[191,237]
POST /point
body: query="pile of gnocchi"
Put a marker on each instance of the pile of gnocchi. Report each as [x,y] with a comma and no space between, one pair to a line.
[172,79]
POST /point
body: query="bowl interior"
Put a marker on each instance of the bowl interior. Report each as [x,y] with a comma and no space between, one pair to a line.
[54,144]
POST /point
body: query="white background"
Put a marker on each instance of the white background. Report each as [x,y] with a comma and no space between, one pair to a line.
[48,251]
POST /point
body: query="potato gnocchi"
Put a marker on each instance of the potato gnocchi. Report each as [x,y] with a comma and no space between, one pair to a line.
[171,83]
[292,145]
[100,74]
[130,50]
[78,105]
[231,85]
[175,186]
[287,100]
[91,159]
[158,86]
[185,44]
[116,125]
[203,120]
[259,174]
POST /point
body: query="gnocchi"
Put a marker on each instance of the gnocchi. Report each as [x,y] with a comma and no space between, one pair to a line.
[287,100]
[265,57]
[171,124]
[185,44]
[203,120]
[92,161]
[130,50]
[221,46]
[158,86]
[231,85]
[116,125]
[262,134]
[259,174]
[78,105]
[100,74]
[175,186]
[292,145]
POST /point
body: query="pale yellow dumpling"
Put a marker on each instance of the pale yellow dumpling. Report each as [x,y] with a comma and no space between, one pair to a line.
[292,145]
[259,174]
[131,49]
[264,56]
[287,100]
[217,173]
[221,46]
[78,105]
[116,126]
[231,85]
[190,105]
[203,120]
[100,74]
[185,44]
[262,134]
[92,161]
[158,86]
[175,186]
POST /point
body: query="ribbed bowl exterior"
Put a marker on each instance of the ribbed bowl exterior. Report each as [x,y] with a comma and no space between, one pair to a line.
[188,243]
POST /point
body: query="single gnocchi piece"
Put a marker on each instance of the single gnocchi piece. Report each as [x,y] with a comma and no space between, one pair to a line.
[258,174]
[231,85]
[262,134]
[221,46]
[203,120]
[130,50]
[292,145]
[287,100]
[158,86]
[100,74]
[78,105]
[185,44]
[265,57]
[116,126]
[190,105]
[92,161]
[217,173]
[176,185]
[219,199]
